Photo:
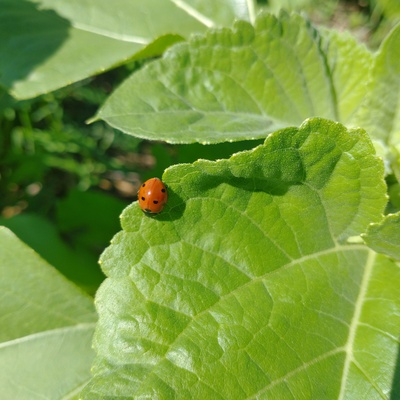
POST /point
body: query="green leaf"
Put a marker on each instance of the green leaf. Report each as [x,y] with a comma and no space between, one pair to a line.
[349,62]
[380,111]
[245,285]
[243,83]
[384,237]
[230,84]
[46,327]
[47,45]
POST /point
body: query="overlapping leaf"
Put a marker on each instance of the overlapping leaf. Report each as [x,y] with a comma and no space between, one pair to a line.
[245,286]
[238,84]
[46,327]
[228,85]
[45,45]
[349,64]
[380,111]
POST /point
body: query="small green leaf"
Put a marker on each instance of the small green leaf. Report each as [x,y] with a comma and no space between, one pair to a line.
[47,44]
[230,84]
[384,237]
[245,286]
[46,327]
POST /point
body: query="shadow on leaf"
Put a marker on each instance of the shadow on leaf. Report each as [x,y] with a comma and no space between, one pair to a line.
[28,37]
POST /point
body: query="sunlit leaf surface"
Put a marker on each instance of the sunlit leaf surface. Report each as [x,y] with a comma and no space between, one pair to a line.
[245,285]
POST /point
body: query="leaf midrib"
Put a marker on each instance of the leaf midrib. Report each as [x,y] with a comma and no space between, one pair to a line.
[353,329]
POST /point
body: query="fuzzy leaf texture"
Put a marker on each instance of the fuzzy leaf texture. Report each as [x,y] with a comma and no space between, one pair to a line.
[46,327]
[241,83]
[245,287]
[47,45]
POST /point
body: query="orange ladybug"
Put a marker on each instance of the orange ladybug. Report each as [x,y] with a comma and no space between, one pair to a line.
[152,196]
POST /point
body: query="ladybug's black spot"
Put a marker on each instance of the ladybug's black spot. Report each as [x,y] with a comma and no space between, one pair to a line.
[143,198]
[143,185]
[163,190]
[155,201]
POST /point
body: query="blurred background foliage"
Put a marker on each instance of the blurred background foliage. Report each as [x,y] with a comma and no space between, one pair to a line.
[64,183]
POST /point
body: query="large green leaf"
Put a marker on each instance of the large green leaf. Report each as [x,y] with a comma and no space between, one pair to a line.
[46,44]
[241,83]
[46,327]
[245,286]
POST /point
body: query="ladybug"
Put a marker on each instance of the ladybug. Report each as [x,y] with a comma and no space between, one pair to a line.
[152,196]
